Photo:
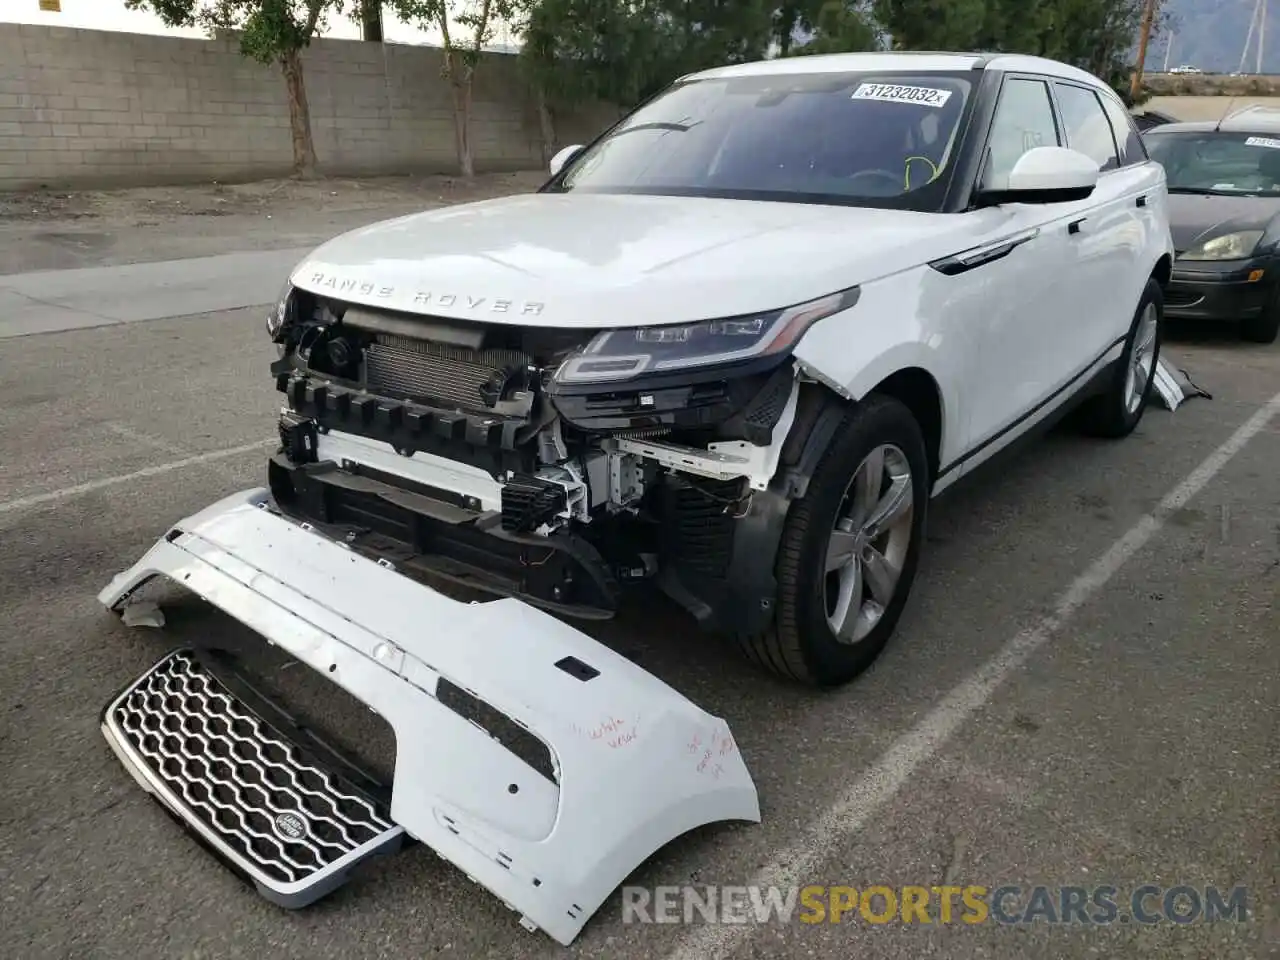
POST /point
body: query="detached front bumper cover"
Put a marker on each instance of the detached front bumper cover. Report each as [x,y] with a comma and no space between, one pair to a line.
[635,764]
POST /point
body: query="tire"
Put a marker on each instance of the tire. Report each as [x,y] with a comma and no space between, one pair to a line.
[801,644]
[1113,413]
[1265,327]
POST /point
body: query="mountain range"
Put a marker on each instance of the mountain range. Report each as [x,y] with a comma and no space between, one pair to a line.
[1211,35]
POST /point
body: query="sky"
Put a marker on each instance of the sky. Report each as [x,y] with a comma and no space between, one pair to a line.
[112,15]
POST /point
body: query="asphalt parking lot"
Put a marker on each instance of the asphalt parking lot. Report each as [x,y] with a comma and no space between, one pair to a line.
[1083,692]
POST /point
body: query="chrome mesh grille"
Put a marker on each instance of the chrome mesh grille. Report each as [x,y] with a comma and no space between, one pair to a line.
[435,371]
[241,780]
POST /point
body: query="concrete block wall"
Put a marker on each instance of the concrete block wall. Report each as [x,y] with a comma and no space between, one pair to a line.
[87,108]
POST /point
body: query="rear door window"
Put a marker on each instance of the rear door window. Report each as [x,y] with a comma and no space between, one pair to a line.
[1088,129]
[1132,149]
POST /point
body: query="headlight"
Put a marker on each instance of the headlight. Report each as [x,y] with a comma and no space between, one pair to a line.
[1230,246]
[279,317]
[623,354]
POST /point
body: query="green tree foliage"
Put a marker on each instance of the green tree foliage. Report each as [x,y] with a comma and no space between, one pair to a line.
[622,51]
[1101,37]
[466,26]
[933,24]
[1096,35]
[271,31]
[579,50]
[368,14]
[835,26]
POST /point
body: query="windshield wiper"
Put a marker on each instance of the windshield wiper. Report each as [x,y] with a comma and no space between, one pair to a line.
[651,125]
[1205,191]
[658,125]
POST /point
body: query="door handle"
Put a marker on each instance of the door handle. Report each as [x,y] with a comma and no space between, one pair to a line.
[1074,226]
[1142,200]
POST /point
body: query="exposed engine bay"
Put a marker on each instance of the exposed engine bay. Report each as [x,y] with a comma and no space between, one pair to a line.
[529,461]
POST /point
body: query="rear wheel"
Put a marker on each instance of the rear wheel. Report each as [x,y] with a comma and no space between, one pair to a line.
[1116,411]
[849,550]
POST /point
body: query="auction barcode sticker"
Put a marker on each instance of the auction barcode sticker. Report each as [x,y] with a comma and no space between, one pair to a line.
[899,93]
[1263,142]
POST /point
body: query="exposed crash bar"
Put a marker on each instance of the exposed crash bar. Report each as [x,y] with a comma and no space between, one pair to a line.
[634,764]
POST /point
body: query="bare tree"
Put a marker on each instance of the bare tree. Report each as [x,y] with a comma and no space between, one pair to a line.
[271,31]
[466,27]
[371,20]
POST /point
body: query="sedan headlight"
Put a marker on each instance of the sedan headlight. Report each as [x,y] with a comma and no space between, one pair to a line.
[624,354]
[1229,246]
[280,316]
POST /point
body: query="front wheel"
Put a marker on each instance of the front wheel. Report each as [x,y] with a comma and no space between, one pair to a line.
[849,550]
[1265,327]
[1116,411]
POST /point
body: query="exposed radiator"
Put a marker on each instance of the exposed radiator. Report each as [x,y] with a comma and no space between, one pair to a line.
[441,372]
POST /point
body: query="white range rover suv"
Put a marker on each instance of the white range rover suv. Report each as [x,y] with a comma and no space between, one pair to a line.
[734,346]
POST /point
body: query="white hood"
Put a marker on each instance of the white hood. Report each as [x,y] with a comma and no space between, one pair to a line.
[606,260]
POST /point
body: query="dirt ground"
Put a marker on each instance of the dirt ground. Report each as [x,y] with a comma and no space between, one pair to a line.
[1207,108]
[152,206]
[1211,85]
[51,229]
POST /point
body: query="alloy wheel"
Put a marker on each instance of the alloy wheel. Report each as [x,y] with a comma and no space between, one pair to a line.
[868,545]
[1141,360]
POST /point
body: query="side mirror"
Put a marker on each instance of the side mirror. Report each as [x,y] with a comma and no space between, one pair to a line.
[563,157]
[1046,175]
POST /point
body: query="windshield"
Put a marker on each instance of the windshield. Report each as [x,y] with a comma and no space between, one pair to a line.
[865,139]
[1214,162]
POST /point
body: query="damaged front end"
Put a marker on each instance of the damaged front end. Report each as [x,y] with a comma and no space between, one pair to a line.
[547,466]
[555,465]
[629,763]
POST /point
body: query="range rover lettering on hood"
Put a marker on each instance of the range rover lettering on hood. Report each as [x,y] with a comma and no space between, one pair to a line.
[332,282]
[597,260]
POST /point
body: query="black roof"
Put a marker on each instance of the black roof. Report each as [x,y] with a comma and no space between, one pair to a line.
[1152,118]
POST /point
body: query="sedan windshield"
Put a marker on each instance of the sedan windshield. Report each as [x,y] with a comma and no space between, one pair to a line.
[863,139]
[1215,162]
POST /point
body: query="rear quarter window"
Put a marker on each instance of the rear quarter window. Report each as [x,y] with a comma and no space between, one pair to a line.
[1128,141]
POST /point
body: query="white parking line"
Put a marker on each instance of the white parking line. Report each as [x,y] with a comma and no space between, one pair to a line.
[878,784]
[92,486]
